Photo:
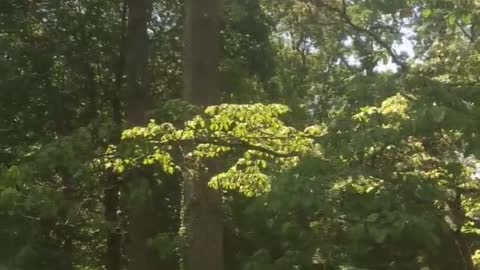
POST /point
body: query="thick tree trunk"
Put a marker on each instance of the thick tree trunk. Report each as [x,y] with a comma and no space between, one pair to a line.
[139,12]
[204,220]
[141,213]
[202,52]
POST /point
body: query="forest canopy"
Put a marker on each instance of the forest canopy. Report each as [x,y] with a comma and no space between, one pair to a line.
[239,134]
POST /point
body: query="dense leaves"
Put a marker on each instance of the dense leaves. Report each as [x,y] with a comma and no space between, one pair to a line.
[222,130]
[385,176]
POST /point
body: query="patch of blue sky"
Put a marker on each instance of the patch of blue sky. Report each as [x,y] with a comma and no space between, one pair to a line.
[403,47]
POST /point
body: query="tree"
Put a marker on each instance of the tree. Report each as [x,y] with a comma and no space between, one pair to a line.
[392,183]
[140,205]
[204,219]
[111,200]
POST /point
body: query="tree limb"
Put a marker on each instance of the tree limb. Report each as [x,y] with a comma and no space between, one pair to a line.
[344,16]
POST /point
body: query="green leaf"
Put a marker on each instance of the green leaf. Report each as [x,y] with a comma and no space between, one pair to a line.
[372,217]
[427,13]
[378,234]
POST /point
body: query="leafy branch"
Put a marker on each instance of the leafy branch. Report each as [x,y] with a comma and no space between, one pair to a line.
[342,12]
[255,129]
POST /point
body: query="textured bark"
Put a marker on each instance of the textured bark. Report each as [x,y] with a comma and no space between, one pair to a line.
[202,52]
[204,220]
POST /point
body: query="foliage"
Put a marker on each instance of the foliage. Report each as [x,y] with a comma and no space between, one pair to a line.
[266,142]
[386,178]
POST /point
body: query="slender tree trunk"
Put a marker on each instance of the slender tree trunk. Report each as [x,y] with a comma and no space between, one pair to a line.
[65,262]
[204,219]
[68,248]
[113,258]
[114,237]
[141,211]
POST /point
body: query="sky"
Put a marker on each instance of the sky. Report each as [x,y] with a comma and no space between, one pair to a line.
[405,46]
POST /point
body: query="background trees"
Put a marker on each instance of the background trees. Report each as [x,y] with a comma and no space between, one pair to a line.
[390,185]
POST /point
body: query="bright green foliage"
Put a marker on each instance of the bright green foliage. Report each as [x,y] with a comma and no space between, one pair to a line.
[394,109]
[253,135]
[378,188]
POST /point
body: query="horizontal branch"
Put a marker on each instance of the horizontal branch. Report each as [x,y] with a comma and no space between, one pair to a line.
[229,142]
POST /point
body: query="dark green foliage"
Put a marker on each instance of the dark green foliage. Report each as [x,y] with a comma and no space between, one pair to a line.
[392,183]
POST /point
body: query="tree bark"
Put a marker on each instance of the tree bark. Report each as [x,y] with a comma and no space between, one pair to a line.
[204,219]
[113,256]
[141,213]
[139,12]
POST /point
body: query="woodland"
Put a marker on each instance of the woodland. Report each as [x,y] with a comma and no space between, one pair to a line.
[239,134]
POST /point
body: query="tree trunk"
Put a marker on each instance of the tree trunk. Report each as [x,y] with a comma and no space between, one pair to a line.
[204,219]
[65,261]
[137,58]
[114,238]
[140,210]
[459,239]
[113,256]
[202,52]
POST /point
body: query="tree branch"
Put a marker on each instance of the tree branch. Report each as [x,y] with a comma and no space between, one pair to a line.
[230,142]
[464,31]
[344,16]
